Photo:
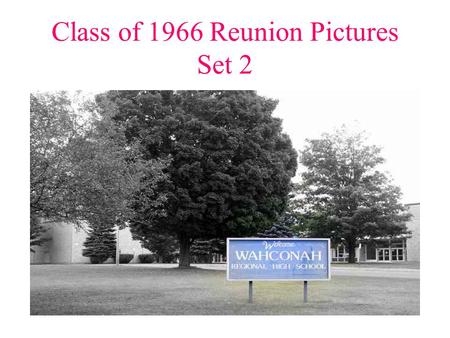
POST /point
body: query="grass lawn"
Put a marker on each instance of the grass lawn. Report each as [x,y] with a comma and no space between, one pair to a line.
[145,290]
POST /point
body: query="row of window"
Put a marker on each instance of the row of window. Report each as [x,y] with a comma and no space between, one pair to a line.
[392,254]
[382,254]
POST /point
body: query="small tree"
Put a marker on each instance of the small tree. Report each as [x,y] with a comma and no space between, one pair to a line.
[163,246]
[287,224]
[280,229]
[202,251]
[36,233]
[100,243]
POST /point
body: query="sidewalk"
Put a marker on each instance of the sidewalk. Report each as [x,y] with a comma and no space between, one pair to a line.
[358,270]
[382,270]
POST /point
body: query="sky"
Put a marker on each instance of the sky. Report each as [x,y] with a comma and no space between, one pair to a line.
[390,118]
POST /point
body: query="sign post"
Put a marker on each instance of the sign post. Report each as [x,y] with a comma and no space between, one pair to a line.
[278,259]
[305,291]
[117,247]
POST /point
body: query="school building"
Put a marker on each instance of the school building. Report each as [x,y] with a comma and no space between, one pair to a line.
[64,245]
[398,249]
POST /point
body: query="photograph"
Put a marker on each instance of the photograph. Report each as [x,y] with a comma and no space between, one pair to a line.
[224,202]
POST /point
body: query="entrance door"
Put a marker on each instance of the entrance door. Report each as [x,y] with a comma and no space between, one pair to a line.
[383,255]
[397,254]
[371,252]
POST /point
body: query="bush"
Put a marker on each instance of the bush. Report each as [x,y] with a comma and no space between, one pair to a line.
[146,258]
[170,258]
[98,259]
[201,259]
[125,258]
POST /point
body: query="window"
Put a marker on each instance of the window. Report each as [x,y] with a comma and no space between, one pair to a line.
[383,255]
[341,255]
[397,254]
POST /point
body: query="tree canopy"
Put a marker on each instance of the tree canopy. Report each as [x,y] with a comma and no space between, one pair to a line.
[51,128]
[230,164]
[344,194]
[53,125]
[83,170]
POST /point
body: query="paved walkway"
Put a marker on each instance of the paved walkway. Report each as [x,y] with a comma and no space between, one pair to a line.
[363,270]
[375,271]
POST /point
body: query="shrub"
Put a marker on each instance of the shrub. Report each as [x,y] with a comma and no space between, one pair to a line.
[125,258]
[97,259]
[169,258]
[146,258]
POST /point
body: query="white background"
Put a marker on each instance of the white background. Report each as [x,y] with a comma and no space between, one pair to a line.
[411,73]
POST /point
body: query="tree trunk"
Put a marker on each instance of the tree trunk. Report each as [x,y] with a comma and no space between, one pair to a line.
[351,246]
[185,255]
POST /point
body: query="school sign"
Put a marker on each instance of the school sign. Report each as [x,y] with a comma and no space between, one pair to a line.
[250,259]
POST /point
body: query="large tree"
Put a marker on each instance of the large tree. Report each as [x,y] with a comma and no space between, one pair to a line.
[83,169]
[107,173]
[345,196]
[53,125]
[230,163]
